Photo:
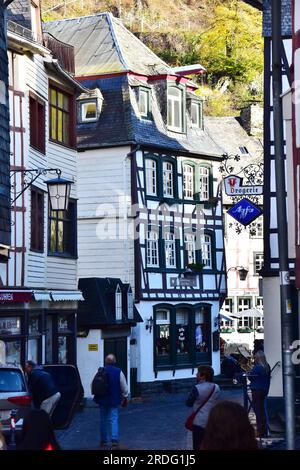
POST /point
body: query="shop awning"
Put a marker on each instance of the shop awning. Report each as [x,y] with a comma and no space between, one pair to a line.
[251,312]
[58,296]
[226,317]
[41,295]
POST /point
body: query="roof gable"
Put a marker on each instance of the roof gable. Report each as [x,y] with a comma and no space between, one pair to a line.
[103,46]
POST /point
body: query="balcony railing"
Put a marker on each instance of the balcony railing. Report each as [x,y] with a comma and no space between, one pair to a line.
[61,51]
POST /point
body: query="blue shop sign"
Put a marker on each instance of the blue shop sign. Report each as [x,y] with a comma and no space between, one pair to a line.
[245,212]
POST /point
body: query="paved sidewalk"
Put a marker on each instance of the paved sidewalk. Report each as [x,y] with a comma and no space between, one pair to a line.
[156,423]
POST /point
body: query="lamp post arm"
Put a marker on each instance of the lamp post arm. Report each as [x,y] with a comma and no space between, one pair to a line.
[34,175]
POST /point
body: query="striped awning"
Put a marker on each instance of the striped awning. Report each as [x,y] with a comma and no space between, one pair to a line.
[58,296]
[41,295]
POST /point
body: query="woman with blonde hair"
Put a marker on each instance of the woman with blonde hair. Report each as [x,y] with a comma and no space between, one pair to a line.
[259,384]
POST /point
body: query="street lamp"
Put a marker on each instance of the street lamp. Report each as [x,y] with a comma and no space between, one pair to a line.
[243,272]
[59,192]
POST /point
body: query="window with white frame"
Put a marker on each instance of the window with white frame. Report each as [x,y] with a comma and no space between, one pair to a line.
[175,109]
[243,150]
[118,301]
[244,303]
[190,247]
[203,183]
[257,228]
[152,249]
[258,262]
[168,179]
[188,181]
[144,102]
[163,344]
[196,114]
[89,111]
[228,305]
[207,251]
[151,177]
[170,250]
[130,303]
[260,304]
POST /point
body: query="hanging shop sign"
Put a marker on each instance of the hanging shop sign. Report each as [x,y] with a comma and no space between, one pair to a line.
[234,187]
[245,212]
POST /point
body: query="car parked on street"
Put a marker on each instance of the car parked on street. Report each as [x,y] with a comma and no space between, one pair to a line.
[14,395]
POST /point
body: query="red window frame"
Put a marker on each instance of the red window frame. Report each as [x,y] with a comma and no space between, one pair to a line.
[37,123]
[62,124]
[37,220]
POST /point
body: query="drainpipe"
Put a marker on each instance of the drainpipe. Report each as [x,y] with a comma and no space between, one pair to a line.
[125,214]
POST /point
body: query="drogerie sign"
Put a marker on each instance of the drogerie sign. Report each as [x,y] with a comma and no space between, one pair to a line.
[233,187]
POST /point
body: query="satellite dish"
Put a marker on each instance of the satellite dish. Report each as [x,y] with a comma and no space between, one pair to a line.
[2,352]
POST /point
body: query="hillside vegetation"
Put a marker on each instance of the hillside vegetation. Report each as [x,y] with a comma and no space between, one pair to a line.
[224,36]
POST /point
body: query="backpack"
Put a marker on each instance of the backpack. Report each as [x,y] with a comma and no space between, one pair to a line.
[100,385]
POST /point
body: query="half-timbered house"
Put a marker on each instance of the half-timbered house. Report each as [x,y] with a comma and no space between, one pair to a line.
[149,201]
[38,291]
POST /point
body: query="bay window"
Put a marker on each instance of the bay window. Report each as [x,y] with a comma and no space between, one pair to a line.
[181,336]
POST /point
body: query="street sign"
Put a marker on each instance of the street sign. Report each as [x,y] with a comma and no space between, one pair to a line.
[244,212]
[234,187]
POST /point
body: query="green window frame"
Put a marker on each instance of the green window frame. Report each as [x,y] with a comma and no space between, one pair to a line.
[182,335]
[163,183]
[199,169]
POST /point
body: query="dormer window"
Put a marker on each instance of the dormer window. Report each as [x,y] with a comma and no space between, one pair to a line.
[89,111]
[144,102]
[89,106]
[196,114]
[118,300]
[175,109]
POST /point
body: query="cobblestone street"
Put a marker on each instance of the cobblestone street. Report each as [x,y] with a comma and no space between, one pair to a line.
[156,423]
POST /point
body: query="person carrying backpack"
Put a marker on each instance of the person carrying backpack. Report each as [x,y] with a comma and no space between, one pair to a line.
[110,390]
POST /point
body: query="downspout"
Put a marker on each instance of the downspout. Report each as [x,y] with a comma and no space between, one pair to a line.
[125,215]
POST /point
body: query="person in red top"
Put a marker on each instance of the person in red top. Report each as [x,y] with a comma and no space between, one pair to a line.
[37,432]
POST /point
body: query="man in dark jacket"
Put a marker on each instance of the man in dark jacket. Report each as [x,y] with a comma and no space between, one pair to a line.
[45,394]
[109,404]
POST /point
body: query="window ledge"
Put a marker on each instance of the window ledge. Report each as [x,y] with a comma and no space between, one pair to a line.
[62,255]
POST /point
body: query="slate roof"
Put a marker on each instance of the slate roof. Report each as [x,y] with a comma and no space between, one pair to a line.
[98,307]
[19,11]
[103,45]
[230,135]
[4,141]
[120,123]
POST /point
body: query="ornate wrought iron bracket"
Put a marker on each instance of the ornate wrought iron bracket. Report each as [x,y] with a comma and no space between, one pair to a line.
[30,176]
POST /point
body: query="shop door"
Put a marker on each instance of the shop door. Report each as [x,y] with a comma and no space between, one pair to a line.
[118,347]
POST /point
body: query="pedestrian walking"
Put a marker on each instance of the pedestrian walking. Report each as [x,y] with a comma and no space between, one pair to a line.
[37,432]
[202,398]
[259,377]
[228,428]
[45,394]
[109,403]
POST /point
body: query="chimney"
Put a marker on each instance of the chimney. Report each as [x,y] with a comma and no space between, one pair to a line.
[251,119]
